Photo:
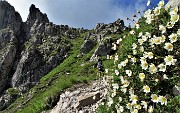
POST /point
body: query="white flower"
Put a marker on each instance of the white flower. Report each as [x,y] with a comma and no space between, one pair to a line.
[152,68]
[144,65]
[168,46]
[145,54]
[115,86]
[128,72]
[134,111]
[125,84]
[110,102]
[129,56]
[116,72]
[138,106]
[162,67]
[114,46]
[142,59]
[140,41]
[162,100]
[119,40]
[113,94]
[150,55]
[128,106]
[124,90]
[157,11]
[169,60]
[148,34]
[134,52]
[116,57]
[150,110]
[106,70]
[141,49]
[137,25]
[174,18]
[147,13]
[132,32]
[148,3]
[120,110]
[170,25]
[140,34]
[134,46]
[174,11]
[162,28]
[121,78]
[178,32]
[154,98]
[133,98]
[157,40]
[162,38]
[144,104]
[142,76]
[173,37]
[144,38]
[133,59]
[165,76]
[120,99]
[161,3]
[108,57]
[146,89]
[131,91]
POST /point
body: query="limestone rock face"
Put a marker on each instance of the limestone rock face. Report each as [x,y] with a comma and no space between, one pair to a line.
[30,49]
[99,36]
[81,99]
[9,17]
[7,56]
[36,15]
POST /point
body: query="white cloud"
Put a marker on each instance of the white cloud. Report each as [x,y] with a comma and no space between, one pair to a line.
[81,13]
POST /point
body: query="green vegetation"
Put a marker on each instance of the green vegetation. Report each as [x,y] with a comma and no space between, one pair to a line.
[146,66]
[71,71]
[143,70]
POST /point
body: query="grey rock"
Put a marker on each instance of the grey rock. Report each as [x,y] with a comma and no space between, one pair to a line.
[7,56]
[87,46]
[9,18]
[103,49]
[176,90]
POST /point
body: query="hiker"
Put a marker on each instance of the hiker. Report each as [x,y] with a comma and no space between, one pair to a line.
[100,66]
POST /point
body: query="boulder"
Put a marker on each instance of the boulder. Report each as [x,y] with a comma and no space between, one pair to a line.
[103,49]
[87,46]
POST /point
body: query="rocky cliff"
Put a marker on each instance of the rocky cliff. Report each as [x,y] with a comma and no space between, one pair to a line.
[30,49]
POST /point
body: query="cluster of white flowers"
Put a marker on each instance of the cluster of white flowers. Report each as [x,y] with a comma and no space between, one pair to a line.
[151,65]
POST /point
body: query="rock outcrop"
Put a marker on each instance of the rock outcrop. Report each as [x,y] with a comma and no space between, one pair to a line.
[29,50]
[99,35]
[10,24]
[9,18]
[81,98]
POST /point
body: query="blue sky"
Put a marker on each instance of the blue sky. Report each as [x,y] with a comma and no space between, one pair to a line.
[83,13]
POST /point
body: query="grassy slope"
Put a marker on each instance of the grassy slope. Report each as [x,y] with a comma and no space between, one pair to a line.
[63,76]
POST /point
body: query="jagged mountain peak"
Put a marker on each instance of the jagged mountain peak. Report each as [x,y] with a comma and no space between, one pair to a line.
[36,14]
